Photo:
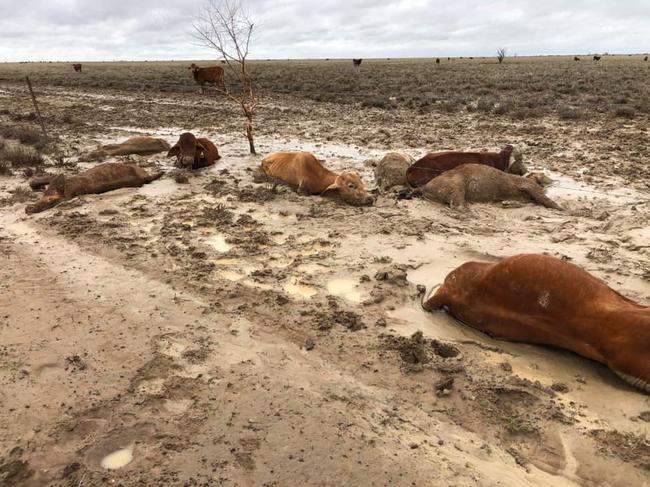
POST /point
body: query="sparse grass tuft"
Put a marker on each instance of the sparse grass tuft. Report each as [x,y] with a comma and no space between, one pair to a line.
[484,105]
[570,113]
[374,102]
[5,168]
[24,134]
[624,112]
[19,155]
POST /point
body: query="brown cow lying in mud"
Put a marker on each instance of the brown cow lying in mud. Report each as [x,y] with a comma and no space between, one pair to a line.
[476,183]
[193,153]
[100,179]
[539,299]
[302,171]
[436,163]
[142,146]
[391,170]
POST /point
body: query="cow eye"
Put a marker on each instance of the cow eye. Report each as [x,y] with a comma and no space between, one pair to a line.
[351,185]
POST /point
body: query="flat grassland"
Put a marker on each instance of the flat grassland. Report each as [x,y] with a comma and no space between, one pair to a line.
[220,332]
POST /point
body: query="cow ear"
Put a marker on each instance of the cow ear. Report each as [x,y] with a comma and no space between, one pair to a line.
[174,151]
[202,150]
[334,186]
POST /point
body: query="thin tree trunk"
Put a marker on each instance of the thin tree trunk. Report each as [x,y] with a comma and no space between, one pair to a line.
[249,135]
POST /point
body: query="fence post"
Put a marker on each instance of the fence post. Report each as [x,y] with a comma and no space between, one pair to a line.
[38,113]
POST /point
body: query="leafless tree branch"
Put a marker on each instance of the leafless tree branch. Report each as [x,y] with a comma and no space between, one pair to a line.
[226,27]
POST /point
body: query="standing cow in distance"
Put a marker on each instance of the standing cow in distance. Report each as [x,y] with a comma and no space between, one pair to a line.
[212,75]
[597,58]
[437,60]
[356,63]
[645,58]
[576,58]
[77,67]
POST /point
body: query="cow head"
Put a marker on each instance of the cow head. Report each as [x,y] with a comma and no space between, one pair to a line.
[515,162]
[186,149]
[350,189]
[54,194]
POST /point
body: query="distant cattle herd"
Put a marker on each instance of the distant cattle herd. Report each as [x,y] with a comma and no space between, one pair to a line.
[214,75]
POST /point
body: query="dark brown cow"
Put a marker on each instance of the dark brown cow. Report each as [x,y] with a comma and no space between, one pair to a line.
[356,63]
[193,153]
[576,58]
[436,163]
[99,179]
[645,58]
[212,75]
[77,67]
[535,298]
[437,60]
[303,171]
[597,58]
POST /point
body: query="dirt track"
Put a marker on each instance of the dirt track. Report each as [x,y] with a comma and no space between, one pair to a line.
[226,334]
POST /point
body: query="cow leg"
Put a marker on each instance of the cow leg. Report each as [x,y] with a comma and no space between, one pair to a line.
[301,190]
[537,195]
[457,199]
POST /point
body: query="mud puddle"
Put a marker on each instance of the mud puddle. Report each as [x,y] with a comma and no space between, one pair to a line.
[565,187]
[118,459]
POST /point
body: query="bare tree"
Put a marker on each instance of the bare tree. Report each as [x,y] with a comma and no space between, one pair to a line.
[501,54]
[226,27]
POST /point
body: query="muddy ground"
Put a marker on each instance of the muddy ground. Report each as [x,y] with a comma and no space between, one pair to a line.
[220,332]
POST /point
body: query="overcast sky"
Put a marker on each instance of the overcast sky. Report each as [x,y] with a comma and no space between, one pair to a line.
[160,29]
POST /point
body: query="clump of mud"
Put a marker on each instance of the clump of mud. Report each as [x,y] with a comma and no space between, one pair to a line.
[347,319]
[417,352]
[13,470]
[630,448]
[252,194]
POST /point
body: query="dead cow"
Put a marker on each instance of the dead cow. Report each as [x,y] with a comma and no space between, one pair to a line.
[302,171]
[142,146]
[476,183]
[193,153]
[535,298]
[436,163]
[391,170]
[100,179]
[212,75]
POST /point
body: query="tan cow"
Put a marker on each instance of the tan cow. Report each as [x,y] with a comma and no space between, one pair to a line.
[477,183]
[302,171]
[535,298]
[99,179]
[142,146]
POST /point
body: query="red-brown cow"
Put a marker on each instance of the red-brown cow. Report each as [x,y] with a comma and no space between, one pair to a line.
[302,171]
[99,179]
[212,75]
[535,298]
[435,163]
[193,153]
[77,67]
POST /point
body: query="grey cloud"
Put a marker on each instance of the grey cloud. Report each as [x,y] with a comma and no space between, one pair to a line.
[160,29]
